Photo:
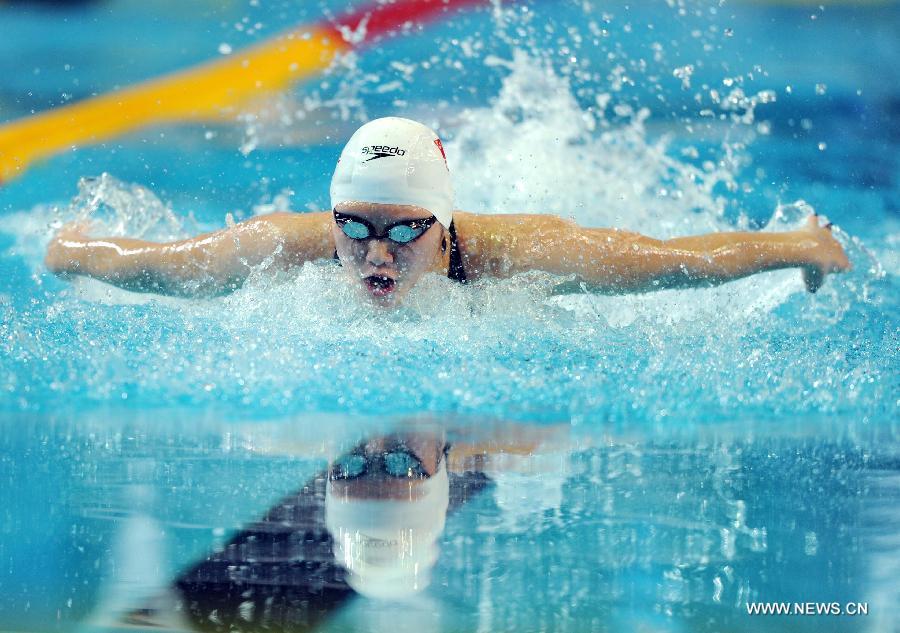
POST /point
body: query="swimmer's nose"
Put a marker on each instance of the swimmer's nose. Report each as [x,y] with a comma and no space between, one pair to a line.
[378,253]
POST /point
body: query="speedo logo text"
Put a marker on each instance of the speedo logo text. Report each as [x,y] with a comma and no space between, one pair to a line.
[381,151]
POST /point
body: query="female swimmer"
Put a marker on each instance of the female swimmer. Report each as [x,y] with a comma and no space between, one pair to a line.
[392,221]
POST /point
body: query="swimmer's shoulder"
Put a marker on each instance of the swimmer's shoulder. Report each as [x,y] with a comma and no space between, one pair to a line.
[504,226]
[487,241]
[307,236]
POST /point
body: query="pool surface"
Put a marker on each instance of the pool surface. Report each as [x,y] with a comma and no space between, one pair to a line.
[699,451]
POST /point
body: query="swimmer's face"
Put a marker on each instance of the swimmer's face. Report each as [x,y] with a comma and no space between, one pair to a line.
[428,450]
[384,270]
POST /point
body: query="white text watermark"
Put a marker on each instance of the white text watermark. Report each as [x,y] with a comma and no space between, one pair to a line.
[807,608]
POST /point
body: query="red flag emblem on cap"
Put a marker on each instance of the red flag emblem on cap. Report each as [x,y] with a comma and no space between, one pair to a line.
[437,142]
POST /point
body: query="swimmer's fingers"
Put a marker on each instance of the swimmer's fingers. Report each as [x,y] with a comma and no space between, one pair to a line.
[828,256]
[838,262]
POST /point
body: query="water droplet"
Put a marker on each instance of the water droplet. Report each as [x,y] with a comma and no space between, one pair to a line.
[810,544]
[684,74]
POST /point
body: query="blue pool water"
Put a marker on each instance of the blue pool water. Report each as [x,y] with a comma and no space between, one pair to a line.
[713,447]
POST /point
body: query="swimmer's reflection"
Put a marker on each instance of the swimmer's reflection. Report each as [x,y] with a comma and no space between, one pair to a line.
[385,507]
[369,524]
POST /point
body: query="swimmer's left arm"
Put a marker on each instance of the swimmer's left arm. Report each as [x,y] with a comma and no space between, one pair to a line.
[619,261]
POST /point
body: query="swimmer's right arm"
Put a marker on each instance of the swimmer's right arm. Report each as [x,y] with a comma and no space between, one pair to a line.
[206,265]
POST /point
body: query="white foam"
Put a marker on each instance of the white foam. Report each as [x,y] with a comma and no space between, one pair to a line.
[534,150]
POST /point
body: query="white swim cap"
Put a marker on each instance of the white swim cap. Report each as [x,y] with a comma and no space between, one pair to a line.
[395,161]
[389,546]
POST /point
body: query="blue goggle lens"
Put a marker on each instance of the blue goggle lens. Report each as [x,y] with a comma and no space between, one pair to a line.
[403,233]
[355,230]
[350,466]
[402,465]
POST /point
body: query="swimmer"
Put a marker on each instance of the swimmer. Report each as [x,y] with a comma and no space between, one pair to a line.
[392,221]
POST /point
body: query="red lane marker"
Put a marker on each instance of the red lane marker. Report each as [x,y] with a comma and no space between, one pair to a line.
[385,19]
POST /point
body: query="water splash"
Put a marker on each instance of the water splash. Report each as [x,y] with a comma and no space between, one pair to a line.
[514,156]
[301,341]
[115,208]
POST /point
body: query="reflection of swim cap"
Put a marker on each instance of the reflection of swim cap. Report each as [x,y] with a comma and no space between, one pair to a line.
[395,161]
[389,546]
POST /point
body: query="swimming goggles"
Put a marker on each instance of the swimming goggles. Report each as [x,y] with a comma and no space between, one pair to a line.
[398,462]
[401,232]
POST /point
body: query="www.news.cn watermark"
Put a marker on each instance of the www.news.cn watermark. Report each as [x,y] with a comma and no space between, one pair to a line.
[807,608]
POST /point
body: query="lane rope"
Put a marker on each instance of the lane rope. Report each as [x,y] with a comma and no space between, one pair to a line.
[215,90]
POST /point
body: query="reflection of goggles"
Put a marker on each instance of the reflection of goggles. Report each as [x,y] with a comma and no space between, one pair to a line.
[397,461]
[402,232]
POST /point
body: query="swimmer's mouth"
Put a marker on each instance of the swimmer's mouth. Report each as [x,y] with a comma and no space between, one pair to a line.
[379,285]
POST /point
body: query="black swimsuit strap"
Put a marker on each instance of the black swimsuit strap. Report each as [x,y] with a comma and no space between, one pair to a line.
[456,272]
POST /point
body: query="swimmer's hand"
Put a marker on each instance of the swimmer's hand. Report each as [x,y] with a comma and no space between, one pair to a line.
[64,250]
[824,253]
